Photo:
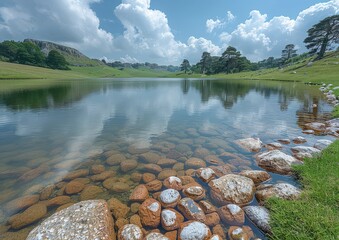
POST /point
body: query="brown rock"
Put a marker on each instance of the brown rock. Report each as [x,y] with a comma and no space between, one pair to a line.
[232,188]
[186,180]
[212,219]
[135,207]
[194,191]
[149,212]
[150,157]
[58,201]
[118,209]
[214,160]
[195,163]
[284,141]
[47,192]
[20,203]
[256,175]
[128,165]
[169,198]
[139,194]
[120,222]
[76,174]
[148,177]
[136,177]
[207,207]
[90,192]
[201,152]
[178,166]
[109,183]
[237,233]
[129,232]
[194,230]
[190,172]
[120,187]
[115,159]
[83,180]
[273,146]
[102,176]
[64,206]
[154,186]
[166,162]
[173,154]
[205,174]
[166,173]
[191,210]
[97,169]
[232,214]
[172,235]
[171,219]
[219,230]
[29,216]
[222,170]
[299,140]
[135,219]
[173,182]
[34,173]
[152,168]
[74,187]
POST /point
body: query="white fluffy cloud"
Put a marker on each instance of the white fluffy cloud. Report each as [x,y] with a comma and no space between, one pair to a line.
[71,22]
[258,37]
[213,24]
[230,16]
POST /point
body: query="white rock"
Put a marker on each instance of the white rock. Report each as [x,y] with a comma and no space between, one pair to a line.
[250,144]
[194,231]
[156,236]
[234,209]
[259,216]
[168,217]
[322,144]
[131,232]
[174,179]
[207,173]
[302,152]
[169,196]
[154,207]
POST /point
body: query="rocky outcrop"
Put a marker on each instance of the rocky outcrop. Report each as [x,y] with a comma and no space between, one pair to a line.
[85,220]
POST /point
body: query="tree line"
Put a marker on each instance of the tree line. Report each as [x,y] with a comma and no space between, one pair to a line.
[321,37]
[29,53]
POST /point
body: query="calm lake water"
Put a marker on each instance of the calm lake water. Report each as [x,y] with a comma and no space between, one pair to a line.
[73,124]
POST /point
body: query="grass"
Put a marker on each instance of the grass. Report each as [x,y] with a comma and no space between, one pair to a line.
[315,215]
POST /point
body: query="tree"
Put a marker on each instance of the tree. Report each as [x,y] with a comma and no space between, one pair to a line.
[185,66]
[56,61]
[205,62]
[322,35]
[230,59]
[288,52]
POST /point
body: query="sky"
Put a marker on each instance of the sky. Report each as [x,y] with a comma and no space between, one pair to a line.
[165,31]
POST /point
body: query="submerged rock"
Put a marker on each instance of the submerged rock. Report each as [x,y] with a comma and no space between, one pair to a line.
[232,188]
[259,216]
[29,216]
[232,214]
[191,210]
[169,198]
[86,220]
[171,219]
[256,175]
[156,236]
[250,144]
[316,126]
[277,161]
[149,212]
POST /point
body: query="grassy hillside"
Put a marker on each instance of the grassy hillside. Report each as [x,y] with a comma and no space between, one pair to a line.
[18,71]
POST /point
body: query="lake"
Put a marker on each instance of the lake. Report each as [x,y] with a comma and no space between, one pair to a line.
[49,130]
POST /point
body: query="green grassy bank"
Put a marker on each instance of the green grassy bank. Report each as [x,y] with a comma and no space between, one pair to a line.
[316,214]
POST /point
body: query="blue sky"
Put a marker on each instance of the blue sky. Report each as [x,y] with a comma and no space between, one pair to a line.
[165,31]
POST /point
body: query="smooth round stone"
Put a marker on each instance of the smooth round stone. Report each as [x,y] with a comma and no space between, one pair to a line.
[169,197]
[120,187]
[130,232]
[194,230]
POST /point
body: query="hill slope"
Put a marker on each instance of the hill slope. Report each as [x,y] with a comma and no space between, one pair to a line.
[72,55]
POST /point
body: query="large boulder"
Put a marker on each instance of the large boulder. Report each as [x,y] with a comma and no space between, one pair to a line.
[232,188]
[279,190]
[250,144]
[259,216]
[277,162]
[85,220]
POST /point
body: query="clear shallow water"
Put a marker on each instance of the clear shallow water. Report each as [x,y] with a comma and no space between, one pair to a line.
[73,124]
